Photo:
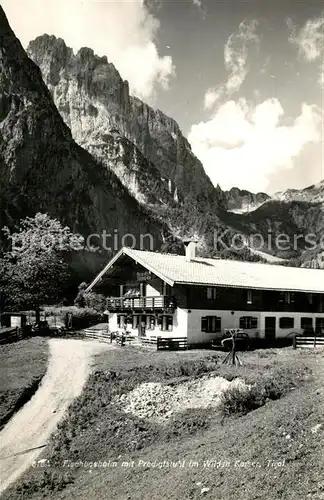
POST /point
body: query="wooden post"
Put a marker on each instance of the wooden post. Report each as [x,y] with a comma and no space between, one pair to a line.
[294,342]
[233,349]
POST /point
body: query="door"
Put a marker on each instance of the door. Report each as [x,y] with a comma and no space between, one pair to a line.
[270,327]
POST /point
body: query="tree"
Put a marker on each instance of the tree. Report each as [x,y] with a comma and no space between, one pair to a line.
[92,300]
[34,270]
[79,300]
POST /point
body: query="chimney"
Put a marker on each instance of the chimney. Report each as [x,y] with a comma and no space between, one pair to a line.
[190,246]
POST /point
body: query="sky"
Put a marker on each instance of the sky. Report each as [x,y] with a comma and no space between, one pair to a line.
[243,78]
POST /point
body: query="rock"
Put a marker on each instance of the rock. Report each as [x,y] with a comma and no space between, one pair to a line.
[316,428]
[44,168]
[95,103]
[111,162]
[240,200]
[161,402]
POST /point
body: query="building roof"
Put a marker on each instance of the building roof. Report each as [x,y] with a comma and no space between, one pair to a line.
[175,269]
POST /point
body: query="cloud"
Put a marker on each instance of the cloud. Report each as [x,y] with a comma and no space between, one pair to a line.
[243,144]
[235,60]
[236,53]
[124,31]
[321,75]
[309,41]
[200,6]
[266,65]
[211,97]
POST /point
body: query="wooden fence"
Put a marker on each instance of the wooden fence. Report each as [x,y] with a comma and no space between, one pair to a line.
[148,341]
[310,342]
[122,339]
[159,343]
[165,343]
[172,344]
[10,334]
[93,333]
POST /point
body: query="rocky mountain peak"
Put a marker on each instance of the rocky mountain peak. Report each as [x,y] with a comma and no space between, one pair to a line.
[45,170]
[310,194]
[95,103]
[241,200]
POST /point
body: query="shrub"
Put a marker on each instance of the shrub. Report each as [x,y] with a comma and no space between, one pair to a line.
[242,399]
[91,300]
[239,400]
[77,312]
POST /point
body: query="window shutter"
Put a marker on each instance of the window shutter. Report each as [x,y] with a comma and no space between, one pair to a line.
[254,322]
[204,324]
[242,322]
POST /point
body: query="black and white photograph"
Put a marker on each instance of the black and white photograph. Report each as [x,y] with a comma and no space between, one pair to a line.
[162,249]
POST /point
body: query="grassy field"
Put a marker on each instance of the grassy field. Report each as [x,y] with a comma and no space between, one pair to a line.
[22,366]
[265,445]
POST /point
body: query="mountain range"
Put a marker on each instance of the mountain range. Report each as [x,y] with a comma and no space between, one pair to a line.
[76,144]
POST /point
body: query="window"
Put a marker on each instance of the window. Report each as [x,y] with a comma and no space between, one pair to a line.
[306,324]
[286,322]
[248,322]
[150,322]
[289,297]
[169,323]
[310,298]
[211,293]
[120,321]
[249,297]
[166,323]
[211,324]
[319,326]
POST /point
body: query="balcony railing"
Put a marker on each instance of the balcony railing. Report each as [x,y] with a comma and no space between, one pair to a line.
[149,303]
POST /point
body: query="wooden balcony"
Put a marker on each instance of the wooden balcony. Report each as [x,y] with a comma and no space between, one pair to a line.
[158,303]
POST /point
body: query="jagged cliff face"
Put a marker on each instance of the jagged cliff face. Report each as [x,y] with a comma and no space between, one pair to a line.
[311,194]
[95,103]
[67,166]
[241,201]
[43,169]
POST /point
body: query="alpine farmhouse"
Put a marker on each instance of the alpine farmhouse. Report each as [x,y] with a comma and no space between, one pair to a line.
[156,294]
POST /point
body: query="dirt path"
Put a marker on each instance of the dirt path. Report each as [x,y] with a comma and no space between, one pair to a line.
[26,434]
